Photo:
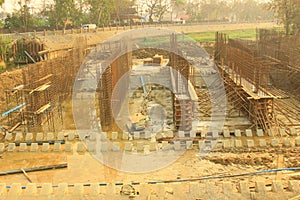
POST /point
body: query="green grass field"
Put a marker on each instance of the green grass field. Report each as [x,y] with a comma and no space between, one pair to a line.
[210,36]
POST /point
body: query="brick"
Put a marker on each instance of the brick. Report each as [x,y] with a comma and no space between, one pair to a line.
[250,143]
[114,135]
[165,145]
[274,143]
[248,133]
[116,146]
[23,147]
[39,137]
[262,143]
[226,144]
[45,147]
[29,137]
[200,144]
[50,136]
[11,147]
[57,147]
[259,133]
[34,147]
[238,143]
[189,144]
[192,134]
[226,133]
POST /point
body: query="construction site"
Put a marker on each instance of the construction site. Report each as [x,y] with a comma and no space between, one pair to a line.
[149,113]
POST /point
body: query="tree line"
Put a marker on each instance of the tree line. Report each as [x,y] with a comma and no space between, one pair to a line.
[74,13]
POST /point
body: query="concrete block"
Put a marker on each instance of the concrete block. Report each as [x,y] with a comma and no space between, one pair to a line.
[200,144]
[16,189]
[159,189]
[181,134]
[62,189]
[128,146]
[31,189]
[94,189]
[192,134]
[60,136]
[250,143]
[3,189]
[293,131]
[226,133]
[282,132]
[169,134]
[227,188]
[260,187]
[274,143]
[270,132]
[147,135]
[116,146]
[2,147]
[189,144]
[165,145]
[8,136]
[194,190]
[110,189]
[140,146]
[125,135]
[34,147]
[297,141]
[215,134]
[71,135]
[136,135]
[11,147]
[45,147]
[153,146]
[203,134]
[50,136]
[78,189]
[39,137]
[177,146]
[259,133]
[294,186]
[29,137]
[286,142]
[91,146]
[262,143]
[226,144]
[144,189]
[19,137]
[177,190]
[114,135]
[146,149]
[277,186]
[46,189]
[103,136]
[23,147]
[56,147]
[80,147]
[248,132]
[104,146]
[237,133]
[243,187]
[238,143]
[68,147]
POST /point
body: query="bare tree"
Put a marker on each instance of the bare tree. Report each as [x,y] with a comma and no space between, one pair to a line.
[157,8]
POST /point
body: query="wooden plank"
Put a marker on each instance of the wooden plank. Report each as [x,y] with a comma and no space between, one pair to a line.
[280,163]
[42,109]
